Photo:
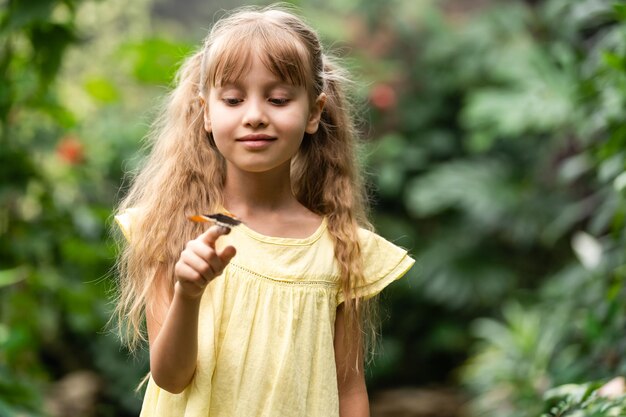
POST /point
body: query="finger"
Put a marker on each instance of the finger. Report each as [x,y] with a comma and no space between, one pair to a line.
[227,254]
[216,265]
[200,248]
[212,233]
[219,261]
[200,265]
[186,273]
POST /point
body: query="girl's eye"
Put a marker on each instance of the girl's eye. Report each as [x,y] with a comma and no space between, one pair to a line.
[231,101]
[279,101]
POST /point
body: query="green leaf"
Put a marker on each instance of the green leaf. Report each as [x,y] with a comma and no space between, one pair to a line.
[24,13]
[102,90]
[614,61]
[620,11]
[49,43]
[156,60]
[12,276]
[478,188]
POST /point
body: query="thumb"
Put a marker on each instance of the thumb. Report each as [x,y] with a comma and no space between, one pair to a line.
[227,254]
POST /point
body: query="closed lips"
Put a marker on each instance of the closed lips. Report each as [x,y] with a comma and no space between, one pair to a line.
[255,138]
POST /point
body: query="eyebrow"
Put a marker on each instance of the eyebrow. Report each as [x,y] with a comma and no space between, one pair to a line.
[269,86]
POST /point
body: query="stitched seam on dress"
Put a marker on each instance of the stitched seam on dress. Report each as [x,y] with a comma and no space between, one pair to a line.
[279,241]
[287,282]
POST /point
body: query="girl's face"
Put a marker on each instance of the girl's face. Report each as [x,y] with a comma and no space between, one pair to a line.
[259,121]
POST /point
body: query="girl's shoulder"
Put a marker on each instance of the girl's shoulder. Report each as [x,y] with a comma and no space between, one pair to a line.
[370,240]
[383,263]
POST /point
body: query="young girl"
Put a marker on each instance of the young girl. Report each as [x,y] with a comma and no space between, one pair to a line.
[266,318]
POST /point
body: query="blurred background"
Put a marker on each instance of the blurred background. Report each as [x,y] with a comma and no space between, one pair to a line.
[495,149]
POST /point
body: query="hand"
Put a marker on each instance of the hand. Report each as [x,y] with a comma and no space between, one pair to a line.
[199,263]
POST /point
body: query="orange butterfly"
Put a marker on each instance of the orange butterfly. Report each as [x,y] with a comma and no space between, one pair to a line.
[224,219]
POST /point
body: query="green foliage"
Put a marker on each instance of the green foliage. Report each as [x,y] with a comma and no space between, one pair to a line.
[517,193]
[496,155]
[62,165]
[589,295]
[156,60]
[35,35]
[518,359]
[583,401]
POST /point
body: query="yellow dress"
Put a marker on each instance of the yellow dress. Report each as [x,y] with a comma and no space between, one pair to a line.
[266,327]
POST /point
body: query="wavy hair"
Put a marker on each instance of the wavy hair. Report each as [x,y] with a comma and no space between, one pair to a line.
[184,173]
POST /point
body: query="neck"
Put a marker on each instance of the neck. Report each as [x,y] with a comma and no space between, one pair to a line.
[251,193]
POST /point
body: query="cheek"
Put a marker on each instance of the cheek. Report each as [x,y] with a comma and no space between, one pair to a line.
[220,133]
[295,122]
[220,142]
[221,124]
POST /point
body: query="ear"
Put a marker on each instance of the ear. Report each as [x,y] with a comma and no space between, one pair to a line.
[315,114]
[205,115]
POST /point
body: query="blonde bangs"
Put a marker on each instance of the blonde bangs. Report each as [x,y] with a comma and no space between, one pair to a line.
[284,56]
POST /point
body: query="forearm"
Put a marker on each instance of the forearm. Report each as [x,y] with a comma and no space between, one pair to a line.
[174,353]
[354,403]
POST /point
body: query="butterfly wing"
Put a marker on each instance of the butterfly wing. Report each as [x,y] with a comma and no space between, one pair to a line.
[221,219]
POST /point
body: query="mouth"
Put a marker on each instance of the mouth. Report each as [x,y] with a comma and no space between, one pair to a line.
[256,138]
[256,142]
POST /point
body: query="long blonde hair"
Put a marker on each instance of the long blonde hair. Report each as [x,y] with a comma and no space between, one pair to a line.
[185,173]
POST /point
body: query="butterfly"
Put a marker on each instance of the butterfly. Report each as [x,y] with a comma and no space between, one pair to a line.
[224,219]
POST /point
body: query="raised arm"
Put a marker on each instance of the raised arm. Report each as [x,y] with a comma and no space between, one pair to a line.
[173,324]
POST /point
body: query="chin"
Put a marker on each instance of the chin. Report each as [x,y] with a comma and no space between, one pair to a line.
[260,166]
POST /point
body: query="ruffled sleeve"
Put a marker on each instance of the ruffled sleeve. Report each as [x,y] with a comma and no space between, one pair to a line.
[125,222]
[383,263]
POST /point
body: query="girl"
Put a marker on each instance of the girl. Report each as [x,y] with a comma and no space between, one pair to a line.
[265,319]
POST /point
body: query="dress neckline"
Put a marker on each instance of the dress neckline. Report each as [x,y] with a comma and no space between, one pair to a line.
[293,241]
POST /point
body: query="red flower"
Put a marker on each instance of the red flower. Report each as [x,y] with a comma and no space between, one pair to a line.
[383,97]
[70,150]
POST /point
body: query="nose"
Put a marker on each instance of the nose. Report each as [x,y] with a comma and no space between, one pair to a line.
[255,115]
